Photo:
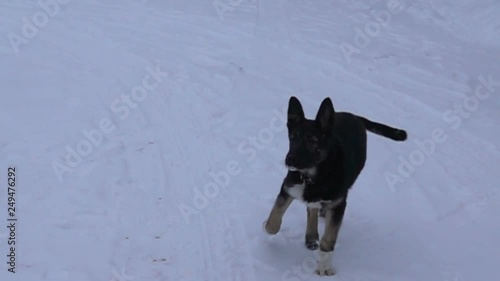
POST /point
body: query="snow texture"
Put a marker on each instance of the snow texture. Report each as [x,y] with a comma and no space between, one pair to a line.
[149,137]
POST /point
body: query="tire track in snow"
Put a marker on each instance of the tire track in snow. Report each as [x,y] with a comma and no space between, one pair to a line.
[169,184]
[222,240]
[177,151]
[227,243]
[219,236]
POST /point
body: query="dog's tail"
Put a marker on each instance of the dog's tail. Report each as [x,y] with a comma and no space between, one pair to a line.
[384,130]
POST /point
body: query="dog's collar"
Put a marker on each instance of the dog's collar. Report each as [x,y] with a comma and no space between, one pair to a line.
[305,175]
[306,178]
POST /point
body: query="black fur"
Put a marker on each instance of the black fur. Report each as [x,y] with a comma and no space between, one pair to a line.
[334,144]
[384,130]
[327,154]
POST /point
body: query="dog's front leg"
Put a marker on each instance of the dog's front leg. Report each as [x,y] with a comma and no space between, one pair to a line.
[334,217]
[273,223]
[312,235]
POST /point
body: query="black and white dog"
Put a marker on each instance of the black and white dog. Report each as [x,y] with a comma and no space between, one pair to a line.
[326,156]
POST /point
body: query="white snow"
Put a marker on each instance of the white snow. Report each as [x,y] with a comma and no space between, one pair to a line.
[169,118]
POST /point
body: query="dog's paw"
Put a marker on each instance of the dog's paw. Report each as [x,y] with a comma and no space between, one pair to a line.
[326,272]
[325,267]
[270,228]
[312,244]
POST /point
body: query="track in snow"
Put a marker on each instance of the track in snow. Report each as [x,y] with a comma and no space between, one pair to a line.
[116,215]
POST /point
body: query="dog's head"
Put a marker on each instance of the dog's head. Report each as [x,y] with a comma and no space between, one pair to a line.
[310,140]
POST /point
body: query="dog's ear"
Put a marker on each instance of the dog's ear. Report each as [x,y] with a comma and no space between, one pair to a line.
[326,115]
[295,112]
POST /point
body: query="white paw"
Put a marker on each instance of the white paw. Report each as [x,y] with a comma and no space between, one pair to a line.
[326,272]
[325,264]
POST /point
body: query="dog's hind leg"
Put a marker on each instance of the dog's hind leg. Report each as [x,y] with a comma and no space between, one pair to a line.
[334,219]
[273,223]
[312,235]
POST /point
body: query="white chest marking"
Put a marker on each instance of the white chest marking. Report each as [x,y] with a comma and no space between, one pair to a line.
[314,205]
[326,203]
[296,191]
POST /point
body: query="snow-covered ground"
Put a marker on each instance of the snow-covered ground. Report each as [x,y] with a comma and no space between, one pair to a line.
[148,137]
